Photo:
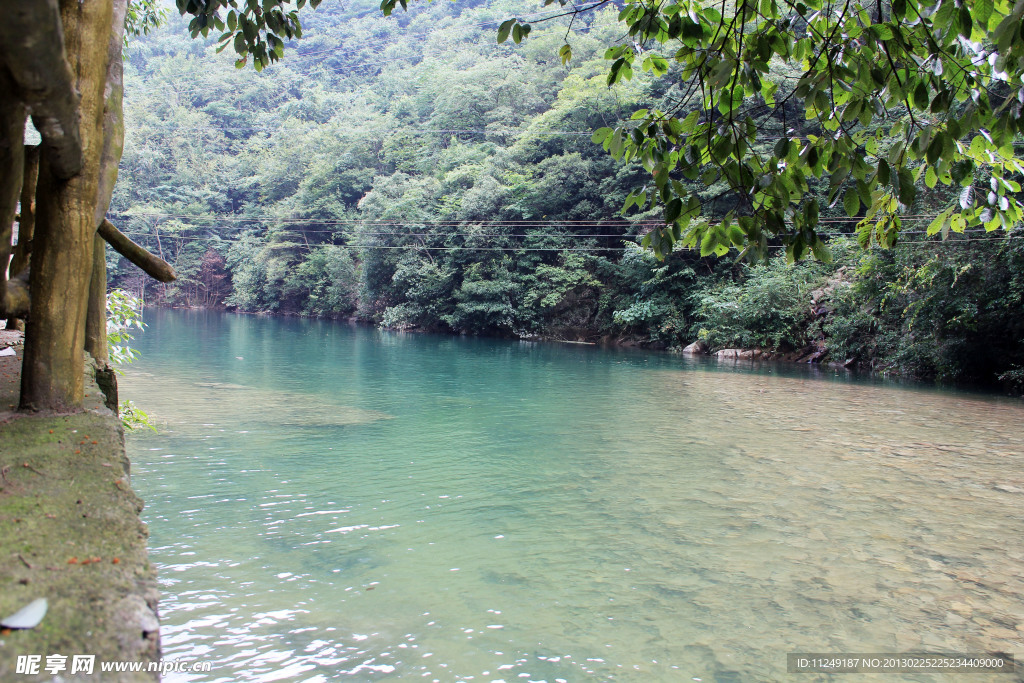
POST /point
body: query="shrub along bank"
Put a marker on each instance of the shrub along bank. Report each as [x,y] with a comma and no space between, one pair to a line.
[412,173]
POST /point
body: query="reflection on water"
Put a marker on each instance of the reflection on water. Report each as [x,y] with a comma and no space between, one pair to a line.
[329,502]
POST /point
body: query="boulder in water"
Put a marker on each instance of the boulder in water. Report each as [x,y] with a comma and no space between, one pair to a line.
[694,349]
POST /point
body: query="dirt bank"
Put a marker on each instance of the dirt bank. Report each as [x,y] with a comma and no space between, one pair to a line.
[70,532]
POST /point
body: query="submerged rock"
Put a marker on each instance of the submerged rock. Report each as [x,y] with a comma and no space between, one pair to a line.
[741,354]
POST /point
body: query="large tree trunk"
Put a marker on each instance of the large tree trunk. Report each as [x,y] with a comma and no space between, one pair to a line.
[62,258]
[32,46]
[110,158]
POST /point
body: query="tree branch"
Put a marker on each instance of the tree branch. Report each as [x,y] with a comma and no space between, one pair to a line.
[152,265]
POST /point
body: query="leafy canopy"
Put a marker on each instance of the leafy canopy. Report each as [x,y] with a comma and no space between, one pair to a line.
[875,98]
[253,27]
[141,18]
[891,93]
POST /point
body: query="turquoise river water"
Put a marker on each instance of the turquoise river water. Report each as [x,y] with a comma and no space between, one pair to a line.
[330,502]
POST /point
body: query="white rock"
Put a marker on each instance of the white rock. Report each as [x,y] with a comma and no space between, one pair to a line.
[9,351]
[28,616]
[136,613]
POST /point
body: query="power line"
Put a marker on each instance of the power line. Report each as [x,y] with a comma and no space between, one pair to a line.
[646,225]
[232,218]
[357,221]
[416,247]
[407,247]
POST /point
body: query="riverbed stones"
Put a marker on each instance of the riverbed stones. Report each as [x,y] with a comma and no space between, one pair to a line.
[239,407]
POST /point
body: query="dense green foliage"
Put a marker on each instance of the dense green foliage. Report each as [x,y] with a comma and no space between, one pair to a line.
[411,172]
[952,311]
[880,97]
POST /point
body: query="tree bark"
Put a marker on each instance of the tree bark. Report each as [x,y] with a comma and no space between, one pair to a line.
[96,317]
[18,299]
[62,258]
[153,266]
[27,219]
[32,46]
[113,116]
[110,157]
[12,157]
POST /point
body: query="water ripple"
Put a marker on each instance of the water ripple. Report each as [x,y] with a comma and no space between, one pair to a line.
[454,510]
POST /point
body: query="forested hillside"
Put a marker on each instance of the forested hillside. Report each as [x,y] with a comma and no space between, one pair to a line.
[411,172]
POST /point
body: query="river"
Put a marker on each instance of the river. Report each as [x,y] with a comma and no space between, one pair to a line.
[331,502]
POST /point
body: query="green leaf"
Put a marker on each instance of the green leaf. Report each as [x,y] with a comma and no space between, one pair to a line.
[565,52]
[941,222]
[935,148]
[852,110]
[782,148]
[821,250]
[907,190]
[249,29]
[673,209]
[883,172]
[811,212]
[661,176]
[659,65]
[851,202]
[689,123]
[883,31]
[600,135]
[504,29]
[708,243]
[921,95]
[966,24]
[982,12]
[736,235]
